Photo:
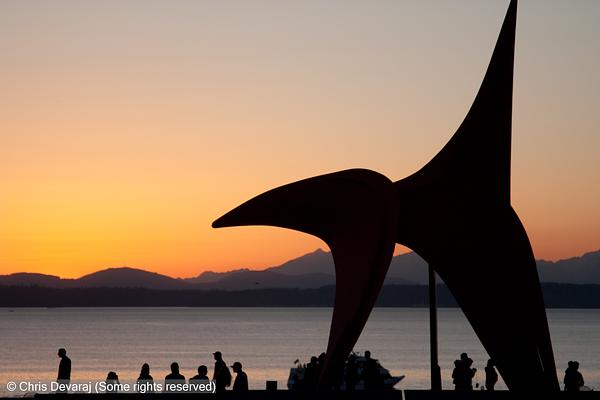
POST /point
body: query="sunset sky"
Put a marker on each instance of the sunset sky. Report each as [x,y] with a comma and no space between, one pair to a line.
[127,127]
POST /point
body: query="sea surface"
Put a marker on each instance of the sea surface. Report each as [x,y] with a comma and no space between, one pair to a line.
[266,341]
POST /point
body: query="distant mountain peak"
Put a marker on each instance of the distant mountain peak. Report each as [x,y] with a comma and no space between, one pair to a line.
[311,270]
[593,254]
[129,277]
[31,274]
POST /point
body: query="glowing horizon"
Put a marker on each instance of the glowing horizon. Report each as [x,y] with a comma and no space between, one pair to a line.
[400,250]
[128,128]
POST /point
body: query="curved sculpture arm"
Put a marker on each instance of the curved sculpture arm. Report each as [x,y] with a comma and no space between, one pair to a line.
[354,212]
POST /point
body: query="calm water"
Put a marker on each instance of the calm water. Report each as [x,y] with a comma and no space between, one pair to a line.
[265,340]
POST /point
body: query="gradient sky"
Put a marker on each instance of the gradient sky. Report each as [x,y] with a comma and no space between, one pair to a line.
[126,127]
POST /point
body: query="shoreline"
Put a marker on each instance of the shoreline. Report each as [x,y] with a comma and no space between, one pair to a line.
[556,296]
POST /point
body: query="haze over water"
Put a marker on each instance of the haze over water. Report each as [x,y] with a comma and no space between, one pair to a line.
[265,340]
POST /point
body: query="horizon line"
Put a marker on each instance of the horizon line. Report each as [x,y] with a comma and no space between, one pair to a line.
[318,249]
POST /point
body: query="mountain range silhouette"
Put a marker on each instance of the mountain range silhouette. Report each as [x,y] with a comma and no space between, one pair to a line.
[310,271]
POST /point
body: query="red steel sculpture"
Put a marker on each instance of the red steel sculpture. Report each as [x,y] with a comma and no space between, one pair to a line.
[455,213]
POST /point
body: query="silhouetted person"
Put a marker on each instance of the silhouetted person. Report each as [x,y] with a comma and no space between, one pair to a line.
[311,374]
[462,375]
[174,377]
[458,376]
[491,376]
[470,373]
[221,374]
[464,357]
[241,379]
[112,379]
[145,373]
[64,368]
[202,376]
[573,379]
[145,379]
[371,374]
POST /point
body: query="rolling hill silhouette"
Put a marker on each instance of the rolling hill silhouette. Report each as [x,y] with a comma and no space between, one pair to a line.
[129,277]
[310,271]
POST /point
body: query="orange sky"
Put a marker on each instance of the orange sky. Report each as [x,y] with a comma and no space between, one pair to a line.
[127,127]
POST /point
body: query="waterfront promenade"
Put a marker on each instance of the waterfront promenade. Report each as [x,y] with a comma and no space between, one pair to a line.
[358,395]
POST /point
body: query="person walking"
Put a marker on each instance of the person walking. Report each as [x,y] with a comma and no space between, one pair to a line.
[221,374]
[241,379]
[64,370]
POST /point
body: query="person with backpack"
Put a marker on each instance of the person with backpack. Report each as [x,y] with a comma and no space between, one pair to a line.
[221,374]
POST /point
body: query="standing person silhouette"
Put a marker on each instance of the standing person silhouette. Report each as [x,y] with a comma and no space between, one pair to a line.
[241,379]
[64,369]
[221,374]
[463,374]
[371,374]
[573,379]
[458,376]
[491,376]
[311,375]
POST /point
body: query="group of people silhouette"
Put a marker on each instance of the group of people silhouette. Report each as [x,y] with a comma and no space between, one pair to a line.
[357,369]
[463,373]
[368,369]
[221,374]
[371,372]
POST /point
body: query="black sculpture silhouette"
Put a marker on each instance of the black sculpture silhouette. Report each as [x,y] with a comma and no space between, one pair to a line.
[455,213]
[354,212]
